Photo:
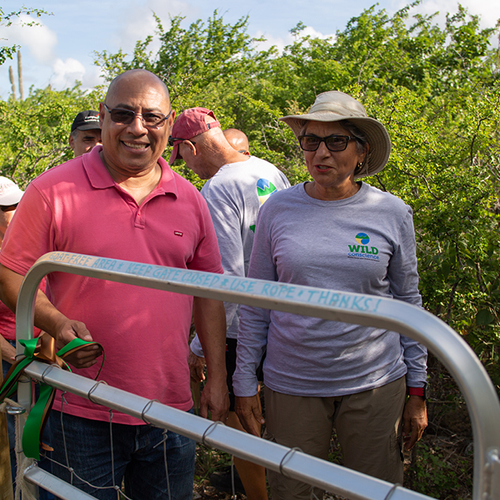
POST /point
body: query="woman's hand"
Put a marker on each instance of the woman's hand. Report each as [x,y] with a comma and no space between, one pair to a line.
[414,420]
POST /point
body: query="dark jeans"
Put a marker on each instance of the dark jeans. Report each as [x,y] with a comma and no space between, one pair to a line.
[11,426]
[138,455]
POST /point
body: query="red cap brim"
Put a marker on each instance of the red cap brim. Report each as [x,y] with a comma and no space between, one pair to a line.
[175,154]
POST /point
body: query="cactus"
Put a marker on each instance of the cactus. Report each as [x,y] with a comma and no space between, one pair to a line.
[12,82]
[20,75]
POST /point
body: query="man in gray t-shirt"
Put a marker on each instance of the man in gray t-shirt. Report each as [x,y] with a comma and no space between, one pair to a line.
[238,185]
[237,140]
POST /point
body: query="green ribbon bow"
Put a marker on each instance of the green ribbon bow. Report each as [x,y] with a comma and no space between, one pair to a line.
[40,349]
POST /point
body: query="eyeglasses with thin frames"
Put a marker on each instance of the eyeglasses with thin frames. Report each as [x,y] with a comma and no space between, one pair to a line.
[127,116]
[173,140]
[333,142]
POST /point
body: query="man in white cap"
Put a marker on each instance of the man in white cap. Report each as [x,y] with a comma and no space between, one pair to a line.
[85,132]
[10,196]
[238,185]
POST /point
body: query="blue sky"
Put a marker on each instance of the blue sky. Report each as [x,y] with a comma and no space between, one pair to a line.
[61,49]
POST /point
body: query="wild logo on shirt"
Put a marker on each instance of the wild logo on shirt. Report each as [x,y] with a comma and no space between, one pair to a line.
[265,189]
[362,250]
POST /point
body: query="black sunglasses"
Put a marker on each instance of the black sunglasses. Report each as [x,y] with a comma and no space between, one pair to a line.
[172,140]
[8,208]
[127,116]
[333,142]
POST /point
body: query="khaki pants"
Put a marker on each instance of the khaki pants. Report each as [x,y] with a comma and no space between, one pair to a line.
[367,426]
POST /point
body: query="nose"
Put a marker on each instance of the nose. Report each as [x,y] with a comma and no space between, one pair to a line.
[322,149]
[137,125]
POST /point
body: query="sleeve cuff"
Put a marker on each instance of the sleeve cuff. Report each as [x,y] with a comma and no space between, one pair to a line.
[196,347]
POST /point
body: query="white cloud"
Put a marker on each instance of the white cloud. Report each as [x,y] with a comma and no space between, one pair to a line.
[487,10]
[282,42]
[91,78]
[270,40]
[66,73]
[308,31]
[39,40]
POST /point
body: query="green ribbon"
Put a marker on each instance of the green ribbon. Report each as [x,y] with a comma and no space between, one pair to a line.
[37,418]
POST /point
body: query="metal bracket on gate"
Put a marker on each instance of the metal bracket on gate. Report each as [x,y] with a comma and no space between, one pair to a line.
[14,410]
[492,475]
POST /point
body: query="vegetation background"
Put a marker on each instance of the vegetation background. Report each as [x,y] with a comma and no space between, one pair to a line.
[437,90]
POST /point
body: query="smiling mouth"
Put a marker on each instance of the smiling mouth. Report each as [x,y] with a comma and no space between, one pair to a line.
[135,146]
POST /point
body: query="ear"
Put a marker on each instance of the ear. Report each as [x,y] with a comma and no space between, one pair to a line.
[191,147]
[71,141]
[102,110]
[170,123]
[187,149]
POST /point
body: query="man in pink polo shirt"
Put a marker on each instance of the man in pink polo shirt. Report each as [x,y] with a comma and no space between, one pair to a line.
[122,201]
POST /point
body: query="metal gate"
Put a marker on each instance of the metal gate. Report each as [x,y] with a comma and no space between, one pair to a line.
[478,391]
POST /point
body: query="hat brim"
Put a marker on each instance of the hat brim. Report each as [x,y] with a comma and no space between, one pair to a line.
[12,198]
[175,154]
[89,126]
[376,135]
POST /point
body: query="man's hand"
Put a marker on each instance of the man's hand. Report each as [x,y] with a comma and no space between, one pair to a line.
[215,400]
[210,322]
[414,420]
[69,329]
[196,365]
[49,319]
[248,411]
[8,350]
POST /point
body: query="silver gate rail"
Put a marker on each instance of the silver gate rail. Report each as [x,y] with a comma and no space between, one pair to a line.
[472,379]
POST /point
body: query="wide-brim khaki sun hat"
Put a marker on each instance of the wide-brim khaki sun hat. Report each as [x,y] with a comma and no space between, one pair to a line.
[334,106]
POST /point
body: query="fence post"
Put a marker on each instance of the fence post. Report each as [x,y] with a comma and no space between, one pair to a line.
[5,471]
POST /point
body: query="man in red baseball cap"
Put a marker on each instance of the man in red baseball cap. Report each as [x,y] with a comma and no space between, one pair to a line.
[190,123]
[238,185]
